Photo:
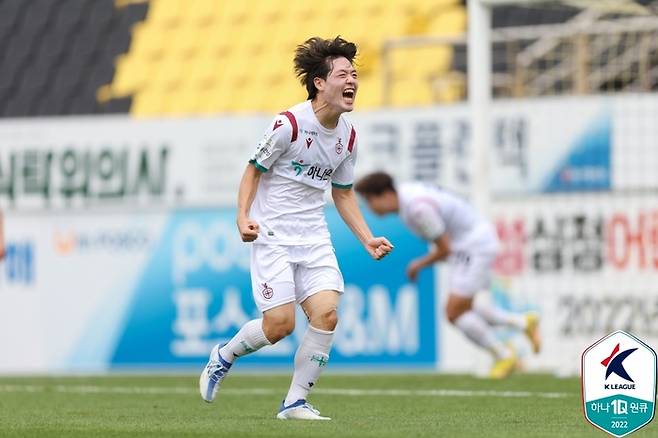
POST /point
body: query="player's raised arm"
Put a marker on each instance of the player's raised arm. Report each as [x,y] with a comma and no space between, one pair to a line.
[348,208]
[272,145]
[248,185]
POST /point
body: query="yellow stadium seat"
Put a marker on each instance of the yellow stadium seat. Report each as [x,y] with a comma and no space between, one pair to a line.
[202,12]
[148,41]
[166,13]
[182,101]
[148,103]
[188,41]
[205,72]
[418,61]
[450,21]
[234,13]
[237,56]
[131,75]
[411,93]
[370,93]
[167,73]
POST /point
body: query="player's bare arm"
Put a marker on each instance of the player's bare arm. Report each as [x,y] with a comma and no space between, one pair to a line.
[439,252]
[348,208]
[248,185]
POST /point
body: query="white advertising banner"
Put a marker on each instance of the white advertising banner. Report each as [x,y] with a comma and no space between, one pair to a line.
[539,146]
[118,162]
[95,291]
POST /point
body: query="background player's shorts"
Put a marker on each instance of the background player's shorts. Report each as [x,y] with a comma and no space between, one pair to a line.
[282,274]
[472,261]
[470,272]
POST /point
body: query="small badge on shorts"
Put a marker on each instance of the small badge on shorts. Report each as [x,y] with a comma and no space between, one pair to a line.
[267,291]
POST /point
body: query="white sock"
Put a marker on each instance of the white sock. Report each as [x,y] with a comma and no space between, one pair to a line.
[494,315]
[478,331]
[250,338]
[310,360]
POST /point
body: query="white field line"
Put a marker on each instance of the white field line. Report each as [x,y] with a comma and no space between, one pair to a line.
[180,390]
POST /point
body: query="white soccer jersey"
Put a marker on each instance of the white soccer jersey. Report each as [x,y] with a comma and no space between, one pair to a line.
[299,158]
[430,212]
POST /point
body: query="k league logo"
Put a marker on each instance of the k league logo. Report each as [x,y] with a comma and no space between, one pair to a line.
[619,383]
[615,364]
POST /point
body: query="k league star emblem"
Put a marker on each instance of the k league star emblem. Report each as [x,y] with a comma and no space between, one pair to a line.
[619,383]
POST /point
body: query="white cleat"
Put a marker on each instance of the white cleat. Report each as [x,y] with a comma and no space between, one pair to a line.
[212,375]
[300,410]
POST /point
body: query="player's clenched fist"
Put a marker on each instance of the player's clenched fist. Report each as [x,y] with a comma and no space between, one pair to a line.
[378,247]
[248,229]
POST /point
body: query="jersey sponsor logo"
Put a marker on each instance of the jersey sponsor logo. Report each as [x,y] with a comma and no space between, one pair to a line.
[307,132]
[299,166]
[309,140]
[339,147]
[277,124]
[267,291]
[319,173]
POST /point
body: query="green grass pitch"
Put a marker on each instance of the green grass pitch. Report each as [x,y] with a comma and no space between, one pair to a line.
[392,405]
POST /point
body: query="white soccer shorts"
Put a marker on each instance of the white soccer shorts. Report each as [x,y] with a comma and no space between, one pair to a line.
[472,262]
[470,273]
[282,274]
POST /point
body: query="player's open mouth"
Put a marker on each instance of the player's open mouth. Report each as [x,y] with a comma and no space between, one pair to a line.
[349,93]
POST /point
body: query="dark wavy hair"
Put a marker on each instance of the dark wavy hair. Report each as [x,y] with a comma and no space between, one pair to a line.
[375,184]
[314,58]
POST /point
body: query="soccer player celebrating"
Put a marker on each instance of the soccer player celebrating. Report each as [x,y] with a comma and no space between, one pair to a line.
[280,210]
[460,235]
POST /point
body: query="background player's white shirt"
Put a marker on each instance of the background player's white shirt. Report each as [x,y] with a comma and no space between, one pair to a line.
[430,212]
[297,170]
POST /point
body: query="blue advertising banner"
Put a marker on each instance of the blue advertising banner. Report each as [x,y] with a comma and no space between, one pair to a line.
[195,291]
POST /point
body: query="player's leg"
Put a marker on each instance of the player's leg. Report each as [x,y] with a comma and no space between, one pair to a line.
[276,324]
[459,312]
[274,293]
[527,322]
[312,355]
[470,272]
[319,285]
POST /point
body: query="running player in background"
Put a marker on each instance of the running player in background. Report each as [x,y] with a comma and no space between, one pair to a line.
[281,210]
[469,243]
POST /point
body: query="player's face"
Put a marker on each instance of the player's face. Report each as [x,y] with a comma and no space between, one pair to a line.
[339,89]
[381,204]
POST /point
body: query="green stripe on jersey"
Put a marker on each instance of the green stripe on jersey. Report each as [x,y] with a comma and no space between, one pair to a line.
[341,186]
[258,166]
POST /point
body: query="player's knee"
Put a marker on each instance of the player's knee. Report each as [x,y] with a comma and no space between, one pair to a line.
[452,315]
[329,320]
[324,319]
[453,312]
[278,328]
